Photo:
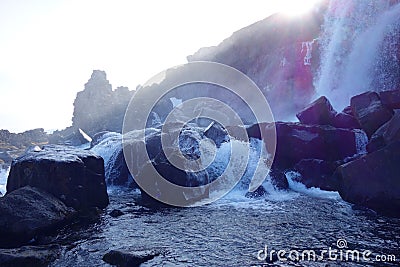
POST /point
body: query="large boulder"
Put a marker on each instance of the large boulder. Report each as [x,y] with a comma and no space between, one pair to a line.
[370,112]
[391,99]
[319,112]
[386,134]
[296,142]
[373,180]
[346,121]
[75,176]
[28,212]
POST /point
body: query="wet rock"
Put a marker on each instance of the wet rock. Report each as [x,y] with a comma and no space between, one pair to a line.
[98,137]
[260,192]
[296,142]
[278,179]
[373,180]
[32,256]
[122,258]
[319,112]
[216,133]
[390,99]
[346,121]
[75,176]
[28,212]
[386,134]
[317,173]
[116,213]
[370,112]
[347,110]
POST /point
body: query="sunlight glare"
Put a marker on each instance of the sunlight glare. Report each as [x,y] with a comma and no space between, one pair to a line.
[296,7]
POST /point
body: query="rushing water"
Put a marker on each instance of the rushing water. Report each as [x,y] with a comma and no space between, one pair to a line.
[360,47]
[231,231]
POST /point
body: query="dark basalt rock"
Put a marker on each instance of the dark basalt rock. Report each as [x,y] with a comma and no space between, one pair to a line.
[260,192]
[370,112]
[386,134]
[116,213]
[216,133]
[75,176]
[296,142]
[346,121]
[28,212]
[278,179]
[373,180]
[97,138]
[32,256]
[317,173]
[319,112]
[122,258]
[391,99]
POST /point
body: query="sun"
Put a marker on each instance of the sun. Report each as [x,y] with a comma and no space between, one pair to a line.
[296,7]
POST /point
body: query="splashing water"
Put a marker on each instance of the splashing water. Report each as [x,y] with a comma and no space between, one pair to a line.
[357,46]
[3,180]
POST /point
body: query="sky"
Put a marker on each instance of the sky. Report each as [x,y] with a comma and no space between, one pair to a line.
[49,48]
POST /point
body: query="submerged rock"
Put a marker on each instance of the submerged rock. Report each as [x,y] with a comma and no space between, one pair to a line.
[75,176]
[32,256]
[370,112]
[122,258]
[28,212]
[373,180]
[116,213]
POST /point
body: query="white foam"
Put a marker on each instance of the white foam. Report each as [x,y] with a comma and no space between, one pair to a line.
[109,143]
[312,192]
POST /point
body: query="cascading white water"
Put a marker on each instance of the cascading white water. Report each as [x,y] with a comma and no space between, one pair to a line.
[355,55]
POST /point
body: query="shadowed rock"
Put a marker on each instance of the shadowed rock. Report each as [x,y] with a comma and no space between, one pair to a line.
[32,256]
[75,176]
[122,258]
[373,180]
[370,112]
[28,212]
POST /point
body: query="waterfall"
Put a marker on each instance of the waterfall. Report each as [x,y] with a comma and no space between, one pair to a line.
[358,49]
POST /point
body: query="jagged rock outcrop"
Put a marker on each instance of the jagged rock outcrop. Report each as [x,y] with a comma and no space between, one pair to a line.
[98,107]
[74,176]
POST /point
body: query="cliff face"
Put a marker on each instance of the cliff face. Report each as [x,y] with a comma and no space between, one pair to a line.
[280,54]
[98,107]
